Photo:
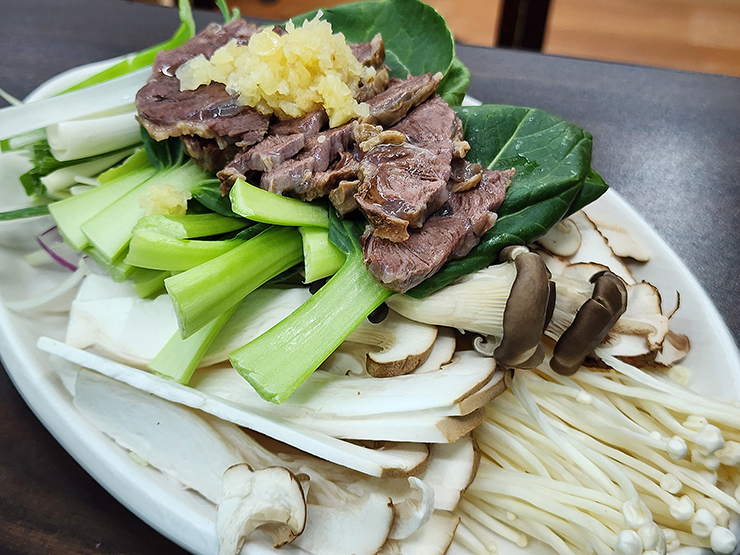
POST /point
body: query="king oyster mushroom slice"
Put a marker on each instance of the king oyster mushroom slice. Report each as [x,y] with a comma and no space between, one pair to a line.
[434,538]
[331,485]
[391,460]
[358,528]
[563,239]
[595,249]
[452,468]
[215,458]
[400,345]
[351,358]
[270,499]
[617,237]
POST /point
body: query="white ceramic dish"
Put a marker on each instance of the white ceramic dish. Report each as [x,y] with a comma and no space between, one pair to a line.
[185,517]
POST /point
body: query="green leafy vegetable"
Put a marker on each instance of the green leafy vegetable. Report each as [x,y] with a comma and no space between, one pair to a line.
[163,154]
[278,361]
[208,195]
[263,206]
[416,37]
[455,82]
[552,159]
[593,187]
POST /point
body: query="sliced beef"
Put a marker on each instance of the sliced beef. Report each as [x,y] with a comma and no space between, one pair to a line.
[284,140]
[403,184]
[293,177]
[373,86]
[371,54]
[209,112]
[433,125]
[465,175]
[343,196]
[310,124]
[400,185]
[206,42]
[323,183]
[207,152]
[450,233]
[391,105]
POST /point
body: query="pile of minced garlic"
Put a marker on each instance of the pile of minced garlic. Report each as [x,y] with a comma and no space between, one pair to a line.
[290,75]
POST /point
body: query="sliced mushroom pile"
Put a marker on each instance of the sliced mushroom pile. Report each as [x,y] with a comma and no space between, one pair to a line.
[573,287]
[260,485]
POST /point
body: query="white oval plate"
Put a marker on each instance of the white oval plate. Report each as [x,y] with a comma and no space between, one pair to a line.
[186,518]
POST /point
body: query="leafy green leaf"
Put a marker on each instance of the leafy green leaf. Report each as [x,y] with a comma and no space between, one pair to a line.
[593,187]
[209,195]
[163,154]
[552,159]
[455,82]
[344,233]
[416,37]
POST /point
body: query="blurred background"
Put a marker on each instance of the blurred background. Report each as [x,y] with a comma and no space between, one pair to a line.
[694,35]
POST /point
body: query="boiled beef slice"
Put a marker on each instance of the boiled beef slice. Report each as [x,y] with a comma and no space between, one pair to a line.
[402,184]
[209,111]
[391,105]
[309,125]
[293,177]
[448,234]
[206,42]
[207,152]
[399,186]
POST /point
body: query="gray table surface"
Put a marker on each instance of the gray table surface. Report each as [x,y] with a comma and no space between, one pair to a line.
[667,141]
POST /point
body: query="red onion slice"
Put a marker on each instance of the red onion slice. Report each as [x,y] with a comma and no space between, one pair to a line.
[51,241]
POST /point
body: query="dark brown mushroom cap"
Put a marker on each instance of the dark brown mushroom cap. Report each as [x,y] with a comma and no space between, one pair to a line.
[526,312]
[592,323]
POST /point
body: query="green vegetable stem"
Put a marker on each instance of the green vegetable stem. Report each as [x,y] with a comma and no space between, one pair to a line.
[279,360]
[202,293]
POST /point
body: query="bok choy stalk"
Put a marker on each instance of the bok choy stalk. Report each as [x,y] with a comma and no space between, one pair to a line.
[202,293]
[109,231]
[320,257]
[263,206]
[278,361]
[163,242]
[179,358]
